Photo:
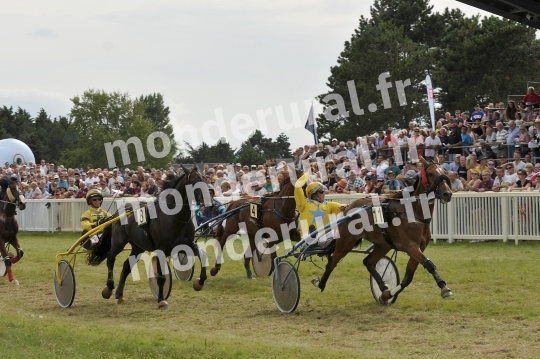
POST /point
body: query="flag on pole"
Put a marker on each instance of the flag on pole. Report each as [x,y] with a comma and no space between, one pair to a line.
[311,125]
[431,100]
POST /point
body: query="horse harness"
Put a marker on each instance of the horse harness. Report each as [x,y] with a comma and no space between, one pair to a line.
[256,210]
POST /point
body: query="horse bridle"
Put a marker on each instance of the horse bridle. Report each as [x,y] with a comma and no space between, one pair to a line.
[437,182]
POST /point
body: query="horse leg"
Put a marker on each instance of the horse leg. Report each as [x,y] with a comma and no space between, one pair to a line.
[7,262]
[107,291]
[418,256]
[343,246]
[370,262]
[198,283]
[126,270]
[229,230]
[160,279]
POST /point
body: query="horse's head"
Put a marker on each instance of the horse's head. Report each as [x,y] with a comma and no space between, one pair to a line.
[200,189]
[439,183]
[13,194]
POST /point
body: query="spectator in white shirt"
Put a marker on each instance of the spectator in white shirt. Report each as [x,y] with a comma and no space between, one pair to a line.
[432,144]
[500,181]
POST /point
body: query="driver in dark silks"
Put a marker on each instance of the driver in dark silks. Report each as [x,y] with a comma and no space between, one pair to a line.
[204,214]
[7,186]
[93,216]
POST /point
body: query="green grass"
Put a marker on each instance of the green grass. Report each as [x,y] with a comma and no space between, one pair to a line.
[494,312]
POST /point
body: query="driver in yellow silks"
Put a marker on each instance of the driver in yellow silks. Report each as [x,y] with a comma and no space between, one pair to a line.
[314,210]
[91,218]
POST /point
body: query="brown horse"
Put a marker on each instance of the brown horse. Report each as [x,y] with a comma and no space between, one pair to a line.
[275,212]
[9,228]
[407,230]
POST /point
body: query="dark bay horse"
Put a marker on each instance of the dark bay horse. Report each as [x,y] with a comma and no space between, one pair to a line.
[407,231]
[163,232]
[9,201]
[274,212]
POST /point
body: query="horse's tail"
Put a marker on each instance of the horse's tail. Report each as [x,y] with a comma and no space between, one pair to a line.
[100,250]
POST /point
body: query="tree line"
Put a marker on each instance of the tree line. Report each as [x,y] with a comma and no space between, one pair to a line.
[470,60]
[98,117]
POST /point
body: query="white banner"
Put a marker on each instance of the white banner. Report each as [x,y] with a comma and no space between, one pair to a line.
[431,100]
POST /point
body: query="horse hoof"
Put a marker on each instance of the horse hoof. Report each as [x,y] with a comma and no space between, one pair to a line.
[316,282]
[214,271]
[120,300]
[15,281]
[385,297]
[446,292]
[106,293]
[249,277]
[197,285]
[163,305]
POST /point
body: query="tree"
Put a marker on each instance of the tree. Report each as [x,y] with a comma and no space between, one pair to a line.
[484,61]
[100,118]
[221,152]
[257,148]
[470,60]
[373,51]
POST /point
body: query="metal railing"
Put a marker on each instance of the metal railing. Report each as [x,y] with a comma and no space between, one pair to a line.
[502,216]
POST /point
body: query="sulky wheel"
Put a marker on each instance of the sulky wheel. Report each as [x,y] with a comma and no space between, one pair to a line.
[389,274]
[180,273]
[153,280]
[262,263]
[64,284]
[286,287]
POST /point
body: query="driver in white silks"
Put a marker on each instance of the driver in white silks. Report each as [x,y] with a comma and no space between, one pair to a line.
[315,210]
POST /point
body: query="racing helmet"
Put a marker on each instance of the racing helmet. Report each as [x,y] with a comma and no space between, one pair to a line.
[14,178]
[93,193]
[313,188]
[211,188]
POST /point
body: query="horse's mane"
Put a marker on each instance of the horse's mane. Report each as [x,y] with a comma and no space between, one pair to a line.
[171,181]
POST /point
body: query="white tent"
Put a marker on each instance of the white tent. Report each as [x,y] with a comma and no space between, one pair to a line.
[15,151]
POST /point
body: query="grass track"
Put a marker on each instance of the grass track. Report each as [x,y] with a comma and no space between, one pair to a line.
[494,313]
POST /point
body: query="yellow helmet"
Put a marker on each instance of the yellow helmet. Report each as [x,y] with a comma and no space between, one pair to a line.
[93,193]
[313,188]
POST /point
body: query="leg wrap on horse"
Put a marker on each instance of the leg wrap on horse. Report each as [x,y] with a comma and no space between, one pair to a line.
[431,268]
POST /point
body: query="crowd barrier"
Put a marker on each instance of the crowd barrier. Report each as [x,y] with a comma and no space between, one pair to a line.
[470,215]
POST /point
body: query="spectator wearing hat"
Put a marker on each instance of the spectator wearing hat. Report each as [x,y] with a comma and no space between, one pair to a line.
[378,186]
[333,149]
[355,184]
[392,183]
[341,186]
[90,179]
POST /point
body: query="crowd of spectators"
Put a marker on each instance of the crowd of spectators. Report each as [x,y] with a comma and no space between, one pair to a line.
[48,181]
[494,149]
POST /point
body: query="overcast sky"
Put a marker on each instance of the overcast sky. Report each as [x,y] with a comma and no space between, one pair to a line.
[230,57]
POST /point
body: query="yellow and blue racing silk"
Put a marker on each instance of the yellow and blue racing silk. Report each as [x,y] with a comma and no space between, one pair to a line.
[313,212]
